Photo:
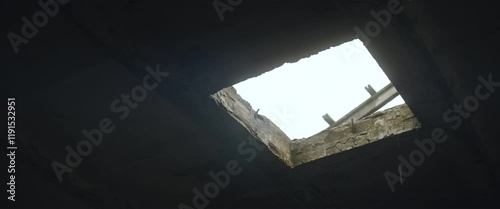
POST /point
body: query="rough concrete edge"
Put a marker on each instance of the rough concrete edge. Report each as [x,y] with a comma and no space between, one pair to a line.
[377,126]
[380,125]
[260,127]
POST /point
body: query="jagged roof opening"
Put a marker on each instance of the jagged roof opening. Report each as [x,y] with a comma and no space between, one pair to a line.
[297,95]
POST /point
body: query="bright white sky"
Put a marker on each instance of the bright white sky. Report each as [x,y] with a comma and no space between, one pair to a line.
[296,96]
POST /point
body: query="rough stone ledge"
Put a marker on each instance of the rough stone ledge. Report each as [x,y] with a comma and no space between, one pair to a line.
[260,127]
[379,125]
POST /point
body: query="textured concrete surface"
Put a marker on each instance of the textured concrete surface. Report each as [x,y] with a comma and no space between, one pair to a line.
[258,125]
[378,126]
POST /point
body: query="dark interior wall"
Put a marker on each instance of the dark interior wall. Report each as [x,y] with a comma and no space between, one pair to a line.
[464,50]
[66,77]
[449,51]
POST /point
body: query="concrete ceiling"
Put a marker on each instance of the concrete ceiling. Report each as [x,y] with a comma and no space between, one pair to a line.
[67,76]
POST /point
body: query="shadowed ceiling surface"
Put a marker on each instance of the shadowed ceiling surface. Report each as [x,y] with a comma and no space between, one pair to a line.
[166,145]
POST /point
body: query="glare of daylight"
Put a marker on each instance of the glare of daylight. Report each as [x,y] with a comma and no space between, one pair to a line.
[295,96]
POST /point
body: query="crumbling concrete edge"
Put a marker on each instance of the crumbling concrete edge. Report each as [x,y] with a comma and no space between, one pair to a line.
[380,125]
[260,127]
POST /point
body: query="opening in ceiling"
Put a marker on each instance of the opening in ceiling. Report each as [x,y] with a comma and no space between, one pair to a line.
[301,97]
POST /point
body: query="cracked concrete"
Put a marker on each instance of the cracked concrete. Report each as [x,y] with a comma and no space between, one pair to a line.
[333,140]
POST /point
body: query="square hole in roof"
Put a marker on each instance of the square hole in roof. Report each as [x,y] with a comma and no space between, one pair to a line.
[296,96]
